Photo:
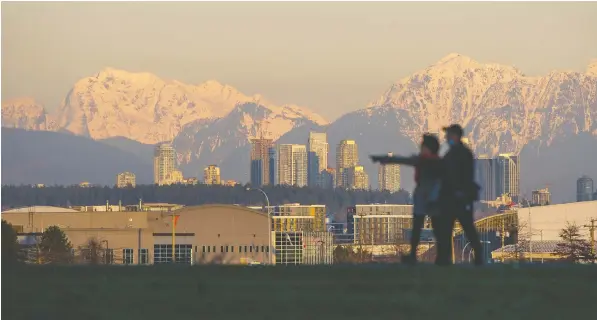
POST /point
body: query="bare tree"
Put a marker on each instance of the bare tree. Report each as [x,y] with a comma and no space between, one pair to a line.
[93,252]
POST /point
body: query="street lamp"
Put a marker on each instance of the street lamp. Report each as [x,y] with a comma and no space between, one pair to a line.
[269,225]
[469,253]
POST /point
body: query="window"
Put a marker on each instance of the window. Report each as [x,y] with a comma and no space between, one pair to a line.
[203,249]
[208,249]
[214,249]
[127,256]
[257,249]
[221,248]
[226,248]
[143,256]
[245,248]
[109,256]
[162,253]
[251,249]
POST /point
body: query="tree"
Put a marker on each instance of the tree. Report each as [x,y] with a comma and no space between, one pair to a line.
[54,246]
[94,253]
[347,254]
[10,244]
[573,247]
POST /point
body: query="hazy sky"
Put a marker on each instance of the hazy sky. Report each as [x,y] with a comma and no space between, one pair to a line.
[332,57]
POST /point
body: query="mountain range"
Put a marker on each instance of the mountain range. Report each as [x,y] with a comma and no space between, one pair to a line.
[501,109]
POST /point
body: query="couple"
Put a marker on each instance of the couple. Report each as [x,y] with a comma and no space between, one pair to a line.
[445,190]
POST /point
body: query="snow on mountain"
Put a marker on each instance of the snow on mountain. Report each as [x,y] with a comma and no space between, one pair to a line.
[145,108]
[500,108]
[26,113]
[226,141]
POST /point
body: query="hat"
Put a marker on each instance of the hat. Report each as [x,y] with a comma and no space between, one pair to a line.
[455,129]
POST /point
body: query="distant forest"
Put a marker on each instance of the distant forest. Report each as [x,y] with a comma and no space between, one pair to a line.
[62,196]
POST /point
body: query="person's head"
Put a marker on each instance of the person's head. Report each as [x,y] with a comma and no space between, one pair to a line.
[429,145]
[454,134]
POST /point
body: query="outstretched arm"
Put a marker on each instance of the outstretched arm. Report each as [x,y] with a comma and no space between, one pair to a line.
[385,159]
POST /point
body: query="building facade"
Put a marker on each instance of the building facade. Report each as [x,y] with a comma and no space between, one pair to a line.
[584,189]
[164,162]
[376,224]
[485,175]
[260,161]
[209,234]
[356,178]
[292,165]
[508,176]
[328,178]
[211,175]
[347,156]
[125,179]
[389,177]
[318,149]
[541,197]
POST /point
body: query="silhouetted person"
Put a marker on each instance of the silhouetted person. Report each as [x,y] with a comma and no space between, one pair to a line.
[426,194]
[458,192]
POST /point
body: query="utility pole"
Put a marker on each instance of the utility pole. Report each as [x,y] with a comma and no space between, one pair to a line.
[592,231]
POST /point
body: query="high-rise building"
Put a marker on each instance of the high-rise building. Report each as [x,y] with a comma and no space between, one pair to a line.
[260,174]
[508,176]
[174,177]
[328,178]
[584,188]
[389,177]
[485,176]
[347,156]
[357,178]
[273,166]
[163,163]
[292,164]
[211,175]
[541,197]
[125,179]
[318,157]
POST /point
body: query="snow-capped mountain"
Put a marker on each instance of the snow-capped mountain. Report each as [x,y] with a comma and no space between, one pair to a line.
[26,113]
[205,142]
[500,108]
[145,108]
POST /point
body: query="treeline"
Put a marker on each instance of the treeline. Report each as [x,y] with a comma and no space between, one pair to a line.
[334,199]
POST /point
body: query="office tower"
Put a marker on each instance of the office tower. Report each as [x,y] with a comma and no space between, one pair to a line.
[260,174]
[357,178]
[163,163]
[485,176]
[347,156]
[125,179]
[389,177]
[328,178]
[292,165]
[584,188]
[541,197]
[508,176]
[318,157]
[273,166]
[211,175]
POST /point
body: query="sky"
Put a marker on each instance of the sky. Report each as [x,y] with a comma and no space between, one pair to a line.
[329,56]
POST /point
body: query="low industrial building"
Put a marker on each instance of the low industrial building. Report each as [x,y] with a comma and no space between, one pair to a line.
[222,234]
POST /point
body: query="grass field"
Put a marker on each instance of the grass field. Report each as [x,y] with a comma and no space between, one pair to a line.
[339,292]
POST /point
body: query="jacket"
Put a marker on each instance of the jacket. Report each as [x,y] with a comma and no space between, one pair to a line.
[458,181]
[428,177]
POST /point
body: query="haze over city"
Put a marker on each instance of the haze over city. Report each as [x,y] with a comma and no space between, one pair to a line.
[331,57]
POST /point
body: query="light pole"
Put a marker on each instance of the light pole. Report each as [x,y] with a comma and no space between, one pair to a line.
[106,251]
[269,225]
[462,254]
[469,253]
